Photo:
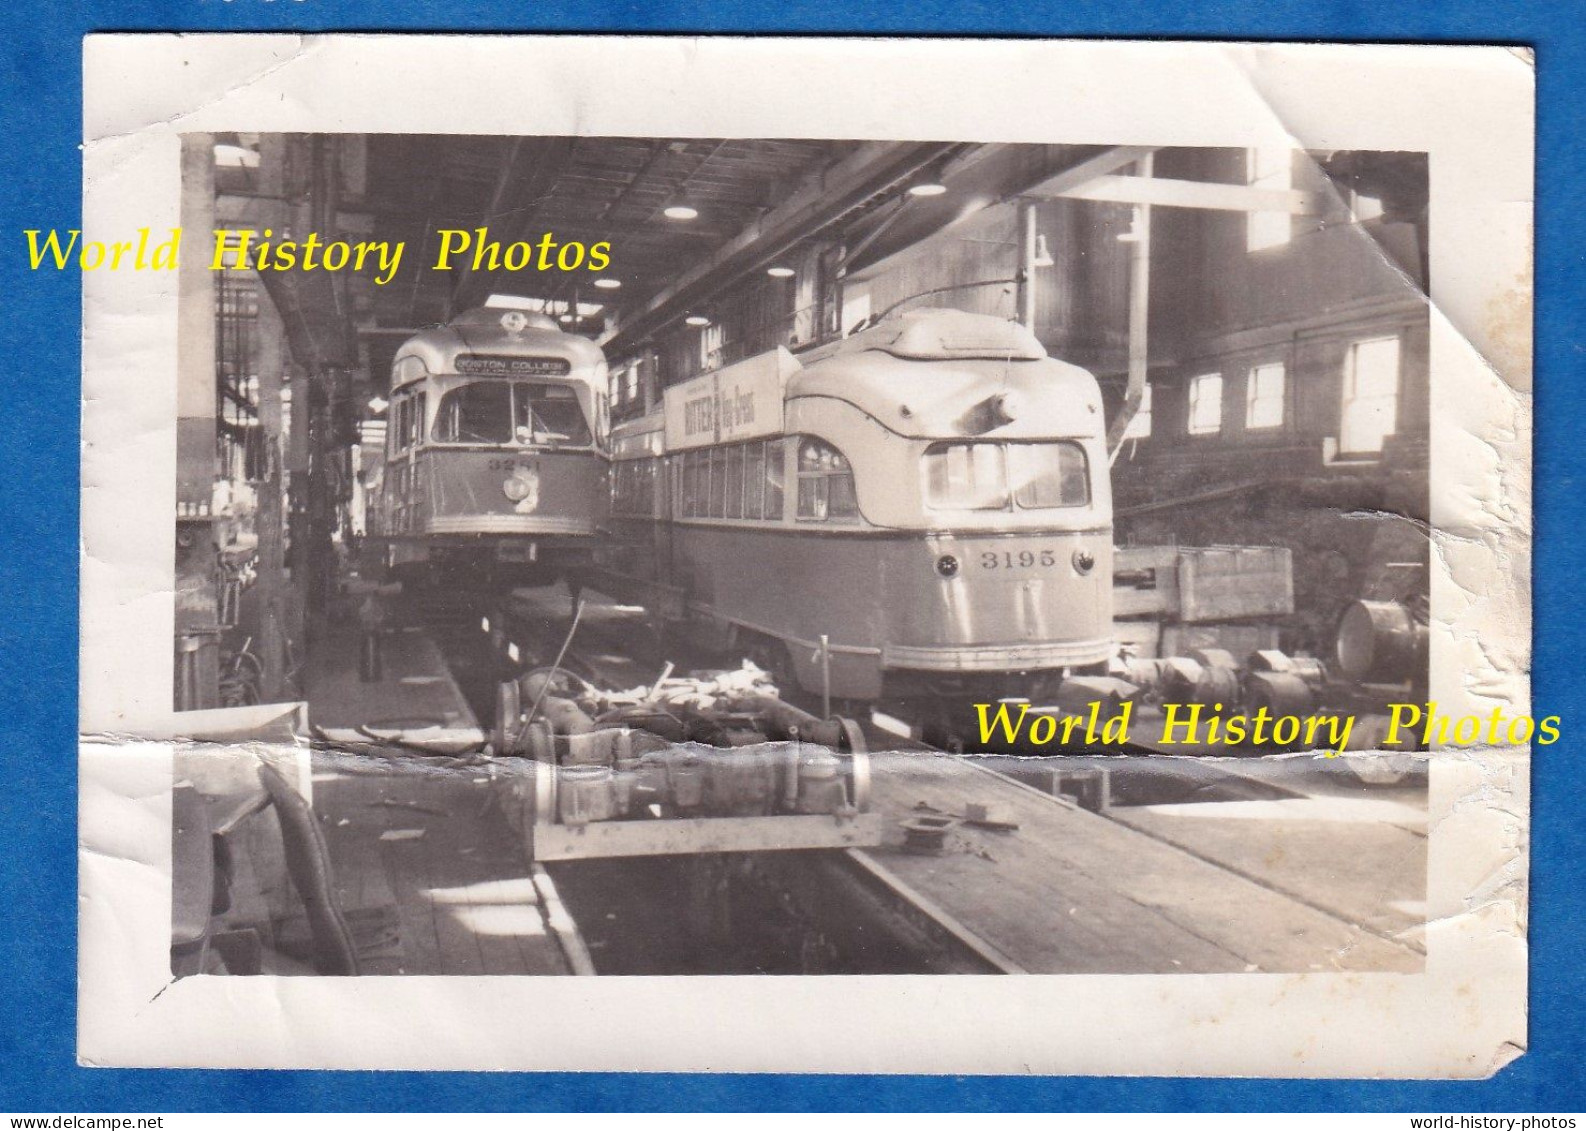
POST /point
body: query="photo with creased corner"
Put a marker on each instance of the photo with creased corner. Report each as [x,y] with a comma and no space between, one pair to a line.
[774,556]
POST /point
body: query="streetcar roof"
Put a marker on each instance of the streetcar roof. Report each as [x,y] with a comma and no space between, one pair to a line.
[494,332]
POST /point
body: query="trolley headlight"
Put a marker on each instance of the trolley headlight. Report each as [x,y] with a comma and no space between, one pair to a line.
[1084,561]
[1008,406]
[947,565]
[517,489]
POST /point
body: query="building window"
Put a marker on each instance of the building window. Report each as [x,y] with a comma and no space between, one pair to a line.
[1363,208]
[1371,396]
[710,347]
[1268,168]
[1140,423]
[1265,388]
[1206,405]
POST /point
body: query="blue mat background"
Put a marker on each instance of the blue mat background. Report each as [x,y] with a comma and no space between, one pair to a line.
[40,88]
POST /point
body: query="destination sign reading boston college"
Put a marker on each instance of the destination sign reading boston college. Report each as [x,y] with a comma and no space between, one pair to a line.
[482,365]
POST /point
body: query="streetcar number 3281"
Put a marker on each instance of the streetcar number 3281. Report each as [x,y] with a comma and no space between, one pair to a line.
[1017,559]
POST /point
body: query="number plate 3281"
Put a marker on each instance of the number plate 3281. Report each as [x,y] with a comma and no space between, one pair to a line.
[1017,559]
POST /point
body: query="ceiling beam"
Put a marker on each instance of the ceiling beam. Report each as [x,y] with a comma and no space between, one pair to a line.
[531,168]
[1089,169]
[1192,194]
[818,202]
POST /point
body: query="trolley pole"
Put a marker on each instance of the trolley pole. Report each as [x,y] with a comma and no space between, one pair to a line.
[1027,254]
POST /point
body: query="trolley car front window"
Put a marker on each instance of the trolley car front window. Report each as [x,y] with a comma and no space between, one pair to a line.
[499,412]
[980,476]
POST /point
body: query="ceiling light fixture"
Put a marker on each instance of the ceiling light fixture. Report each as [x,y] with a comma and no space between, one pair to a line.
[680,212]
[608,284]
[779,272]
[927,188]
[697,320]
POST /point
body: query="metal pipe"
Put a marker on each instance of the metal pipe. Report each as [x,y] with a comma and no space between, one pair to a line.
[1027,255]
[826,676]
[1139,312]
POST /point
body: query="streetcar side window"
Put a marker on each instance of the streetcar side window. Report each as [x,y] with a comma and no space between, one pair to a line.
[744,481]
[754,481]
[633,487]
[416,421]
[825,483]
[718,481]
[732,497]
[774,476]
[696,483]
[394,422]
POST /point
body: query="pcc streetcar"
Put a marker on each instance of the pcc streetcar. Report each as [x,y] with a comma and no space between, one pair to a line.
[495,463]
[921,509]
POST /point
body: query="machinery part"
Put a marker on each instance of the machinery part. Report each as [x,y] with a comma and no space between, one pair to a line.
[509,711]
[1269,660]
[1076,694]
[1381,642]
[544,792]
[1280,693]
[1214,658]
[926,835]
[1180,675]
[859,780]
[1311,670]
[585,794]
[1217,685]
[540,742]
[852,735]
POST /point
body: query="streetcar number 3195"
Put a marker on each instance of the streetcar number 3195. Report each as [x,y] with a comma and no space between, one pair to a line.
[1017,559]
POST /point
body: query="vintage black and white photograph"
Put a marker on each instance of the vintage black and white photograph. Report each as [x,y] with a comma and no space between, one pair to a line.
[651,523]
[719,563]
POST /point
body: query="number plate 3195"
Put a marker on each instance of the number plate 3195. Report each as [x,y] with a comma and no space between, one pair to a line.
[1017,559]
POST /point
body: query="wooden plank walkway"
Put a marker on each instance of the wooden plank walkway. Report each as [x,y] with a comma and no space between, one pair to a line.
[426,871]
[1071,892]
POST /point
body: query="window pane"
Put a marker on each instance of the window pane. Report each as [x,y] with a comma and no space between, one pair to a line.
[812,496]
[1264,396]
[1371,395]
[774,457]
[1268,168]
[718,481]
[841,502]
[647,476]
[694,484]
[1048,475]
[548,414]
[825,482]
[1206,404]
[966,477]
[754,480]
[734,489]
[480,413]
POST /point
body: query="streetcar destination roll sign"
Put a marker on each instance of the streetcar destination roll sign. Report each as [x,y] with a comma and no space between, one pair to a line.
[485,365]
